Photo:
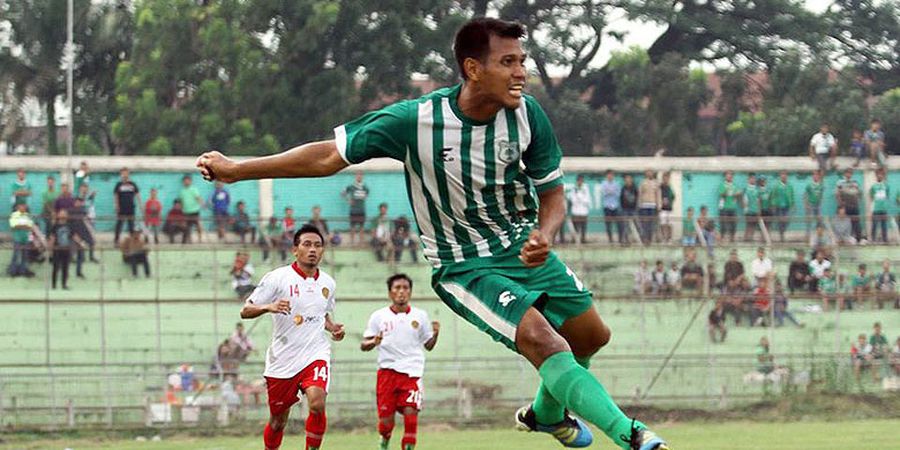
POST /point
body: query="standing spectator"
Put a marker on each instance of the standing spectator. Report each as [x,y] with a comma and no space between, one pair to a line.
[688,229]
[643,279]
[271,237]
[82,176]
[21,225]
[822,240]
[611,195]
[798,273]
[82,229]
[65,200]
[862,285]
[751,208]
[823,148]
[401,238]
[761,267]
[728,203]
[317,221]
[20,188]
[879,343]
[861,355]
[708,228]
[48,199]
[781,308]
[817,268]
[289,226]
[858,147]
[716,323]
[153,215]
[782,201]
[886,286]
[733,271]
[191,203]
[842,226]
[61,241]
[356,195]
[242,275]
[649,199]
[220,200]
[874,140]
[762,301]
[242,223]
[879,193]
[765,203]
[849,196]
[812,201]
[126,194]
[381,233]
[175,222]
[628,200]
[580,199]
[691,272]
[134,253]
[665,209]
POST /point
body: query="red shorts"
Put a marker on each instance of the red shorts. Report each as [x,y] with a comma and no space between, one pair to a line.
[396,391]
[284,392]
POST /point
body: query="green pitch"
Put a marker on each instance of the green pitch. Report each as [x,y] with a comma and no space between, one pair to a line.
[863,435]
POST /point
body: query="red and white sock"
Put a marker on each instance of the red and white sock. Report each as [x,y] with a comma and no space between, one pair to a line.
[410,424]
[315,430]
[385,429]
[272,438]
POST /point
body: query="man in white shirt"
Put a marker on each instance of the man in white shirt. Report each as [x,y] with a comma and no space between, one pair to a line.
[400,332]
[300,298]
[817,269]
[823,146]
[761,267]
[580,199]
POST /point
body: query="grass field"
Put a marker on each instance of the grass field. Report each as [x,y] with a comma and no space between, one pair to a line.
[850,435]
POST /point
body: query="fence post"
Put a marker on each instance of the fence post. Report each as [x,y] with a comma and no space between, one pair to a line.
[723,397]
[70,413]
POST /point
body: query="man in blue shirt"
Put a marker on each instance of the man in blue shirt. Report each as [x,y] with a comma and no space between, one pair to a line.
[610,191]
[220,199]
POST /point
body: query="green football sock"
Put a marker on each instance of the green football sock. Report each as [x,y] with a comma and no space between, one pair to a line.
[547,410]
[578,390]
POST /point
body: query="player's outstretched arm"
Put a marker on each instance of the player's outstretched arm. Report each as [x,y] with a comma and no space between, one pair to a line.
[314,159]
[251,311]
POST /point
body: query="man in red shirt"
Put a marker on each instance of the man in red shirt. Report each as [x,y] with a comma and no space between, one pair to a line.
[762,301]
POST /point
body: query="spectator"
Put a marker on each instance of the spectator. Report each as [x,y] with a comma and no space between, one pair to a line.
[798,273]
[629,202]
[81,228]
[175,222]
[649,200]
[691,272]
[823,148]
[761,267]
[762,301]
[886,286]
[381,233]
[862,286]
[858,147]
[153,215]
[356,195]
[734,270]
[65,200]
[242,275]
[401,238]
[861,355]
[879,193]
[751,208]
[674,279]
[817,268]
[812,201]
[642,279]
[781,308]
[271,238]
[61,241]
[879,344]
[580,200]
[191,203]
[659,280]
[21,225]
[289,226]
[665,209]
[220,200]
[48,199]
[713,281]
[708,228]
[688,229]
[85,193]
[895,358]
[134,253]
[242,343]
[126,194]
[765,202]
[765,362]
[849,197]
[728,203]
[317,221]
[716,323]
[842,225]
[874,140]
[737,300]
[611,195]
[828,288]
[82,176]
[242,223]
[782,202]
[20,188]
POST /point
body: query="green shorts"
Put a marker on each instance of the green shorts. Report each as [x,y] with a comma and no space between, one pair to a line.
[494,293]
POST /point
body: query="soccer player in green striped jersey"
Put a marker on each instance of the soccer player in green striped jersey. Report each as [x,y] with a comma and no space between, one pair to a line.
[482,173]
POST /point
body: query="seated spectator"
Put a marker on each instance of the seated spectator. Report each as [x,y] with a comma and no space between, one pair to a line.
[242,275]
[895,358]
[241,343]
[861,285]
[317,221]
[270,238]
[642,279]
[817,268]
[716,323]
[761,267]
[22,226]
[689,230]
[176,222]
[674,279]
[691,272]
[224,365]
[242,223]
[781,307]
[220,199]
[765,362]
[738,301]
[658,279]
[381,234]
[861,355]
[762,302]
[401,238]
[708,228]
[798,273]
[842,226]
[886,286]
[734,270]
[134,252]
[821,241]
[828,288]
[878,342]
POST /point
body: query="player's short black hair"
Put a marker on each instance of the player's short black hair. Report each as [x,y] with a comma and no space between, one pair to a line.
[398,276]
[307,229]
[473,40]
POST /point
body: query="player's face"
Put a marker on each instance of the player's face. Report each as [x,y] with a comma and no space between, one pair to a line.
[309,250]
[400,292]
[503,74]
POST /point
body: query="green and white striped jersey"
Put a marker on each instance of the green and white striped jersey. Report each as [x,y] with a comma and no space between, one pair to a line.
[472,185]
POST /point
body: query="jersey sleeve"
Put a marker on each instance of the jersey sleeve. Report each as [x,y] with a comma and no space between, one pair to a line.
[265,291]
[385,133]
[329,305]
[372,327]
[425,331]
[543,154]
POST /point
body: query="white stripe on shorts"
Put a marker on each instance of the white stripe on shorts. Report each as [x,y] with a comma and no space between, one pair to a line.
[473,304]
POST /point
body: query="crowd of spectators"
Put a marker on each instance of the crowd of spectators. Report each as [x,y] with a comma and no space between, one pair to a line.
[875,354]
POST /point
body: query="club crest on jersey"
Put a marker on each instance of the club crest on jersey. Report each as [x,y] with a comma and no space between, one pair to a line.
[415,324]
[325,292]
[298,320]
[508,151]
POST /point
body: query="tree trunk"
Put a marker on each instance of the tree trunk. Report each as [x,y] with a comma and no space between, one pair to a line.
[51,126]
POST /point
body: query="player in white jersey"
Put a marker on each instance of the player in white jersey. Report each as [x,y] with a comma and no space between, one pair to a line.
[482,167]
[300,298]
[400,332]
